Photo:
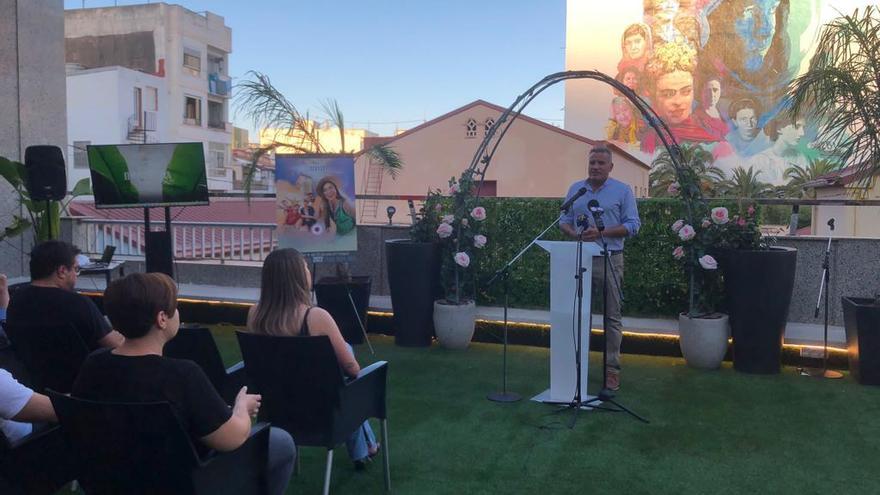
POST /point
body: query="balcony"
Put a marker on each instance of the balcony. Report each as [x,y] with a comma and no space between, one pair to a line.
[219,85]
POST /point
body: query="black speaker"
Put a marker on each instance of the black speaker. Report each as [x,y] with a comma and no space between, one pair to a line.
[46,176]
[159,256]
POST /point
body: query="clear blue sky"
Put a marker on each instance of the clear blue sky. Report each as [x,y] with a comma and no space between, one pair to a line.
[395,60]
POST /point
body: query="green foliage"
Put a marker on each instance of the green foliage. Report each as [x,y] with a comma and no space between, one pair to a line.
[654,285]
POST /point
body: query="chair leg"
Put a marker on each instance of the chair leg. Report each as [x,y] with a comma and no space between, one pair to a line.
[386,464]
[298,466]
[327,471]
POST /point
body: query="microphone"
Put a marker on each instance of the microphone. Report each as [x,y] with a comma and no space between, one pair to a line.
[831,224]
[582,221]
[571,200]
[597,211]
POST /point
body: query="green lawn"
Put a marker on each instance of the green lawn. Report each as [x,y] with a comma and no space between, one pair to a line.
[710,432]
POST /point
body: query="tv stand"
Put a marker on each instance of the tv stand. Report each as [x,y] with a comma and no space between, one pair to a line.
[159,249]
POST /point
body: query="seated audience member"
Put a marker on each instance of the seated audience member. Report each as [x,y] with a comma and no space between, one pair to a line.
[285,309]
[22,406]
[143,307]
[17,402]
[50,298]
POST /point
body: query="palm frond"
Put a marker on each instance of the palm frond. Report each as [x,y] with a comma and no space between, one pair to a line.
[334,113]
[387,157]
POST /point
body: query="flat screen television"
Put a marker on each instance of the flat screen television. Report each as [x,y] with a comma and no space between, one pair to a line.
[148,175]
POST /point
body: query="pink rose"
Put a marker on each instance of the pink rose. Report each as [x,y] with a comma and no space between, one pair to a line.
[719,215]
[706,223]
[678,252]
[448,219]
[479,213]
[479,241]
[444,230]
[751,210]
[464,222]
[462,259]
[741,222]
[677,225]
[438,207]
[708,262]
[687,233]
[453,189]
[673,188]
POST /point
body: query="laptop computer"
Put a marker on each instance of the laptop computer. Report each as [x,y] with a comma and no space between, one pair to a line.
[104,261]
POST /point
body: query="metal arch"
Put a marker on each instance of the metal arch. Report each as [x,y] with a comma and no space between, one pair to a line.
[481,160]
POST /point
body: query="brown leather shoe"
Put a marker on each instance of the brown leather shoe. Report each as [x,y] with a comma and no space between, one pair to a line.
[612,379]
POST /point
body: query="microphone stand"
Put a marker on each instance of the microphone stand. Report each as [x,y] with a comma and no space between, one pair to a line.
[824,372]
[504,274]
[606,395]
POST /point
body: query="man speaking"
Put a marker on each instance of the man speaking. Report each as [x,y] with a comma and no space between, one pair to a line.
[620,218]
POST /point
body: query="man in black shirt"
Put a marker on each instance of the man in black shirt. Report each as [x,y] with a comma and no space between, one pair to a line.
[50,298]
[143,306]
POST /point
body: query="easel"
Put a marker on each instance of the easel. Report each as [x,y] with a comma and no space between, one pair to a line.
[338,258]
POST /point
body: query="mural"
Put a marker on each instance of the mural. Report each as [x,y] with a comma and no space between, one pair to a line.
[315,208]
[716,72]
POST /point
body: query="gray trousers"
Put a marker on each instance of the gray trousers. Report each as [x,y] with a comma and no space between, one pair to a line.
[614,332]
[282,454]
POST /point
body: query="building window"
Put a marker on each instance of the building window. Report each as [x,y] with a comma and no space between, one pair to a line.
[80,155]
[471,129]
[151,103]
[215,115]
[488,125]
[192,60]
[216,159]
[192,110]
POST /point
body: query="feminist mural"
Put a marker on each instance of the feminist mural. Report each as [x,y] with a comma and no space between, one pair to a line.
[716,71]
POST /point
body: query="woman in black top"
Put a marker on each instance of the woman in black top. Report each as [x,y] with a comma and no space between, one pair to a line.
[143,307]
[285,309]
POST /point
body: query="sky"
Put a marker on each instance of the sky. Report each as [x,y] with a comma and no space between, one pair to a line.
[392,64]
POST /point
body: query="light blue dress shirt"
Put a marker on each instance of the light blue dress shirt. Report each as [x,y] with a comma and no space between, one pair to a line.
[619,203]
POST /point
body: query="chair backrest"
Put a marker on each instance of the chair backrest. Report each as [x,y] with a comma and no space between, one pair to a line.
[52,354]
[197,344]
[300,381]
[127,447]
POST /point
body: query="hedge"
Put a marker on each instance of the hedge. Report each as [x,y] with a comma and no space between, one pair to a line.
[654,285]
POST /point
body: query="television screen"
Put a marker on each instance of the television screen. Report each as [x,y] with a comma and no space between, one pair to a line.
[137,175]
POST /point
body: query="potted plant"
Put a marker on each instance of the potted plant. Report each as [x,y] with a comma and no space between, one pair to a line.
[840,90]
[703,331]
[460,241]
[414,276]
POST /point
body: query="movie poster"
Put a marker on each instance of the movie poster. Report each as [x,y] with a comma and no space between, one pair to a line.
[716,71]
[315,205]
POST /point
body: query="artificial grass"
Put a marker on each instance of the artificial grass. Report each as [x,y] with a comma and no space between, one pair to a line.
[710,432]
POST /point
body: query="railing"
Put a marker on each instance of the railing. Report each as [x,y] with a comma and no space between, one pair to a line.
[224,241]
[219,84]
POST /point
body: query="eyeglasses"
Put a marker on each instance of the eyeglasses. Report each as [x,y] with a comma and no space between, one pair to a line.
[76,269]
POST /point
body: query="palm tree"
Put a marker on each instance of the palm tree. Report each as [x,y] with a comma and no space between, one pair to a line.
[259,100]
[697,159]
[798,176]
[842,88]
[744,183]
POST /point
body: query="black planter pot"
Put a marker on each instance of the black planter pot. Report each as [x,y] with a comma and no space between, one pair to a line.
[861,318]
[332,294]
[758,287]
[414,279]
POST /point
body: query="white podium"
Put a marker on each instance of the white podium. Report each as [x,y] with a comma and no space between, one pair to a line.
[563,312]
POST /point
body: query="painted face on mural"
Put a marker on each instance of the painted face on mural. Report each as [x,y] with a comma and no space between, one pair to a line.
[329,191]
[634,46]
[622,113]
[792,133]
[665,10]
[746,123]
[713,92]
[756,24]
[631,80]
[675,95]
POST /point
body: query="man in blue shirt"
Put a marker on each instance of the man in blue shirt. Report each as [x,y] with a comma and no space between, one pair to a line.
[621,220]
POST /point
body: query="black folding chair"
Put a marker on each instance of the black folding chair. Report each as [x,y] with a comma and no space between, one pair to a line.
[304,392]
[197,344]
[38,464]
[52,354]
[142,448]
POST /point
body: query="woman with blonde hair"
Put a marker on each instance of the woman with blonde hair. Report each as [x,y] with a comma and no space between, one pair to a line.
[285,309]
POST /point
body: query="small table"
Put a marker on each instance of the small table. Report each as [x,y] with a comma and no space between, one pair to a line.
[107,271]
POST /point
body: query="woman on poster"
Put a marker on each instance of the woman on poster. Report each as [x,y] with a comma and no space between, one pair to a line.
[335,208]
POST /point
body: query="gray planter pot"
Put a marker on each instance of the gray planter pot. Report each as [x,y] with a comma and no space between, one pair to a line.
[703,341]
[454,324]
